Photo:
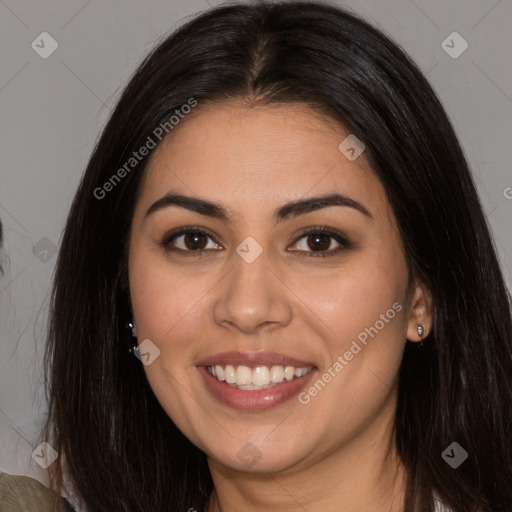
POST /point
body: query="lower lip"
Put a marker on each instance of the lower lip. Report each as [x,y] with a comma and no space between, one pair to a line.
[254,400]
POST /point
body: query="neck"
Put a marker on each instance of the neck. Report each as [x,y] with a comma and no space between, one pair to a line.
[365,474]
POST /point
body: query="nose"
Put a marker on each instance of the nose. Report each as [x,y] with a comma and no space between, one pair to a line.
[252,297]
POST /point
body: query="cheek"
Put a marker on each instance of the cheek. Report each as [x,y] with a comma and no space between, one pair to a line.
[360,304]
[365,315]
[355,297]
[168,311]
[363,306]
[163,299]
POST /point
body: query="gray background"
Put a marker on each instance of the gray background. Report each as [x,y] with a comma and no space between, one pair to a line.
[52,111]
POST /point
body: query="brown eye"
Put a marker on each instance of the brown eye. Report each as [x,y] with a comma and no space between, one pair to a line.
[189,240]
[194,241]
[318,242]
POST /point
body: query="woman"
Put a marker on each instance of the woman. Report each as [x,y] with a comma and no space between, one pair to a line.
[279,222]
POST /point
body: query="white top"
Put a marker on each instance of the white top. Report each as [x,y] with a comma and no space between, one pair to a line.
[439,505]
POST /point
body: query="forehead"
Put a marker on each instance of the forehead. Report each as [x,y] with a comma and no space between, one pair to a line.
[258,157]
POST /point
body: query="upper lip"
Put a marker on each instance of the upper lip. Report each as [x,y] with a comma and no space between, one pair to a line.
[252,359]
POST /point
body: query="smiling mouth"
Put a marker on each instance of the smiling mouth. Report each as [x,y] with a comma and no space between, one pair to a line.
[257,377]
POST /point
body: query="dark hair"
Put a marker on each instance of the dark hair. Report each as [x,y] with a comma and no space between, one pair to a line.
[117,446]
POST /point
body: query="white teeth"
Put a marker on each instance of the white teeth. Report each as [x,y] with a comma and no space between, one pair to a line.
[299,372]
[220,372]
[259,377]
[289,372]
[243,376]
[277,374]
[229,374]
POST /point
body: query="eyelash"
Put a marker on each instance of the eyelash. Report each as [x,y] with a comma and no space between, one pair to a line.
[336,235]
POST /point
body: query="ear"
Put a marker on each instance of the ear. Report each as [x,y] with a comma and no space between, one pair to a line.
[420,311]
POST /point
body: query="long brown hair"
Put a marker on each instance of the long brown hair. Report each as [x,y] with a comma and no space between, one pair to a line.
[121,450]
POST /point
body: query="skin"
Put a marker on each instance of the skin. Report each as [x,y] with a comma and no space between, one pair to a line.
[339,448]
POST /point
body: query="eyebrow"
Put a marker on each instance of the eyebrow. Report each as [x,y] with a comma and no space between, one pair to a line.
[287,211]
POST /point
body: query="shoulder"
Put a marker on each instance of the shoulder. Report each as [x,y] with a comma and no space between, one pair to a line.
[25,494]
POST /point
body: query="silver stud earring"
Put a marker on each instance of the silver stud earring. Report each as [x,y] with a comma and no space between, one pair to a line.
[135,349]
[421,330]
[131,326]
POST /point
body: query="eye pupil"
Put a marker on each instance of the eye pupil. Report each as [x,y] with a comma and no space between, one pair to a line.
[321,241]
[195,237]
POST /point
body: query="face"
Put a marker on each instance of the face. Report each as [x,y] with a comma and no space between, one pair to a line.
[302,309]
